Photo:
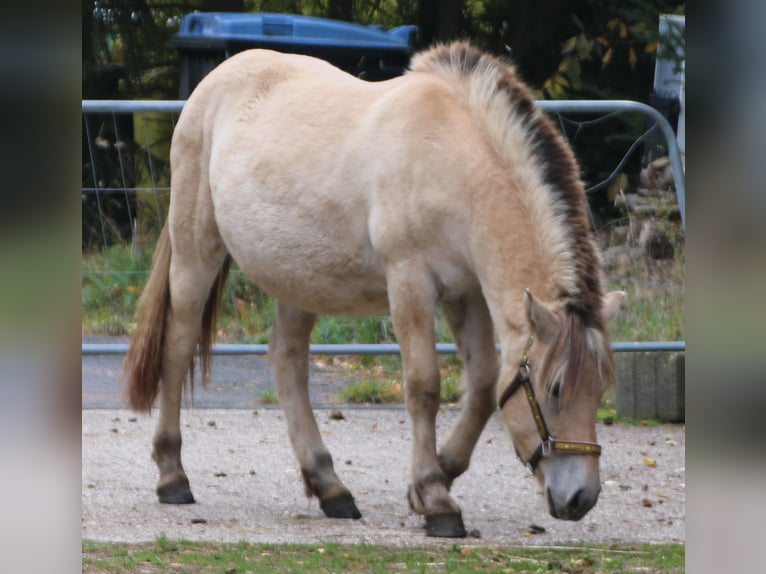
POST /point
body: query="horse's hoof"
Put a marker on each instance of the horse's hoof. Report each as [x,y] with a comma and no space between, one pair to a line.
[342,506]
[175,493]
[177,498]
[445,525]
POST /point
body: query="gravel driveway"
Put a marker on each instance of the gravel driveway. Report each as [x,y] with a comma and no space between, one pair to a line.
[248,485]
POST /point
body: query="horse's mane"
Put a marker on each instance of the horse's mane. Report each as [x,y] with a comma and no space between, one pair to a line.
[538,153]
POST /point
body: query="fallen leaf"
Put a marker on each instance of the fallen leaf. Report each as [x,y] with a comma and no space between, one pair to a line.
[650,462]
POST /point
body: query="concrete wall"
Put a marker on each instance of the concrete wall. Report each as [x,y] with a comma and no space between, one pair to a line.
[651,385]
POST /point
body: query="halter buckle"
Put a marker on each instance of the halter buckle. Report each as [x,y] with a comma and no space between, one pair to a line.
[546,447]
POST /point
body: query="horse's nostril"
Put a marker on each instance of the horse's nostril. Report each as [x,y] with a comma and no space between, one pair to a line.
[575,502]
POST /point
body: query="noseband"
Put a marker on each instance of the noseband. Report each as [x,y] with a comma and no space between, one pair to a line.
[548,444]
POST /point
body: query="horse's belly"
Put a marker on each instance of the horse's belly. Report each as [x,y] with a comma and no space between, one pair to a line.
[323,265]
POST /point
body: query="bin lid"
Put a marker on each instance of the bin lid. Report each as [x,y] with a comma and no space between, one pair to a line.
[208,29]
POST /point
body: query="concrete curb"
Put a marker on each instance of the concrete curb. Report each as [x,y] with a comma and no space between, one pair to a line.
[651,386]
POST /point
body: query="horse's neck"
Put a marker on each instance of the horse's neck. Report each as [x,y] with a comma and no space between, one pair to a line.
[510,258]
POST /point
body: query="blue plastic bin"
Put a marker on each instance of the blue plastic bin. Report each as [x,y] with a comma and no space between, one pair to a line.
[205,39]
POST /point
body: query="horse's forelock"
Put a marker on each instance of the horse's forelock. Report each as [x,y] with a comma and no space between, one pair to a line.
[577,343]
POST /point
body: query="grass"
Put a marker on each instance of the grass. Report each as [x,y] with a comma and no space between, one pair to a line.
[269,398]
[381,381]
[112,281]
[371,391]
[655,303]
[165,555]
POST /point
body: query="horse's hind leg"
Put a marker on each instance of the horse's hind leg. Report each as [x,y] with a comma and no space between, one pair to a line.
[471,326]
[190,284]
[289,353]
[412,298]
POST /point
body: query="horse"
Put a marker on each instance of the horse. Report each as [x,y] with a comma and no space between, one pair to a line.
[444,188]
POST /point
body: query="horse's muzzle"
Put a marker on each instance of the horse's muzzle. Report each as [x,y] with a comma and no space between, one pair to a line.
[571,484]
[571,506]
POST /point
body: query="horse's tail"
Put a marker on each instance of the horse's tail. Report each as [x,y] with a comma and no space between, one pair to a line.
[141,368]
[142,365]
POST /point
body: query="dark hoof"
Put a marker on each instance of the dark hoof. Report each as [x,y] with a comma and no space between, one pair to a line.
[176,493]
[340,507]
[446,525]
[178,498]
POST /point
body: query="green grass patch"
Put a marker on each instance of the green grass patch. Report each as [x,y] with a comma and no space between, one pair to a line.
[269,398]
[372,392]
[380,378]
[112,281]
[165,555]
[642,318]
[654,309]
[451,392]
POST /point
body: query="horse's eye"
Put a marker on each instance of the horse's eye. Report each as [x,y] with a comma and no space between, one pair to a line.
[556,389]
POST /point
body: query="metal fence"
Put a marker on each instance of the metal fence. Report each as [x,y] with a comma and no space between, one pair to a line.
[126,160]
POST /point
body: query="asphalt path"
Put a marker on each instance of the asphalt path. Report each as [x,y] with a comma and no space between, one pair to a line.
[236,381]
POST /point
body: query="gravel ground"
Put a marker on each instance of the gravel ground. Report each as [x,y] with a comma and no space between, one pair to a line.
[248,485]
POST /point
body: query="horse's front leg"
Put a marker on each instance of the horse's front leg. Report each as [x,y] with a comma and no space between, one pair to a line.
[412,298]
[289,351]
[471,327]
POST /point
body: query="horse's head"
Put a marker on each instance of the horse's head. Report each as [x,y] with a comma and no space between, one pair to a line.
[550,406]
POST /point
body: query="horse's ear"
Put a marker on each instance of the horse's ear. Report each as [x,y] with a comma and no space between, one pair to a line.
[612,302]
[542,318]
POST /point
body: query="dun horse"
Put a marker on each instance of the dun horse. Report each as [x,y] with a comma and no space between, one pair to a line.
[445,186]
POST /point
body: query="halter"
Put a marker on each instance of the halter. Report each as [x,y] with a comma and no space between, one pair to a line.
[548,444]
